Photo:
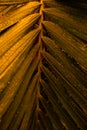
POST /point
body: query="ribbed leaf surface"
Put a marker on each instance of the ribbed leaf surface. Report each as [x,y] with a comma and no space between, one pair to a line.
[43,65]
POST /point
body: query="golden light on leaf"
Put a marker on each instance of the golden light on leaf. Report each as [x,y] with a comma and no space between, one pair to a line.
[43,65]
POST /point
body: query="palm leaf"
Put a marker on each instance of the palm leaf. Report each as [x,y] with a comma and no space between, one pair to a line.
[43,65]
[7,2]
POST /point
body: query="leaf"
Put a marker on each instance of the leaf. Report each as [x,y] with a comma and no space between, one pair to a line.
[16,15]
[19,31]
[74,91]
[62,95]
[28,107]
[7,2]
[19,96]
[66,21]
[7,59]
[43,70]
[63,116]
[15,83]
[63,38]
[56,52]
[25,105]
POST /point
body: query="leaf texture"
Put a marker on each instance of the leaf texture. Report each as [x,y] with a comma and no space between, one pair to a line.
[7,2]
[43,65]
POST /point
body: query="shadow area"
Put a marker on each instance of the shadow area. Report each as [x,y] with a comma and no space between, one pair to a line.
[80,7]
